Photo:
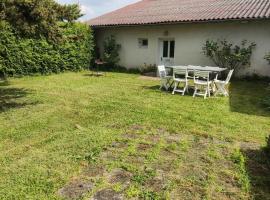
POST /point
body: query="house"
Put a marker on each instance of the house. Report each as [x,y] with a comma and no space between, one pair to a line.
[173,31]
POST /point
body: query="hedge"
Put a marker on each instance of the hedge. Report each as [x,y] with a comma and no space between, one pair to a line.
[26,56]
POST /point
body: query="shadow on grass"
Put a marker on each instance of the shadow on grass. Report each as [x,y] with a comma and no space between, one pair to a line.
[258,169]
[94,74]
[246,97]
[12,98]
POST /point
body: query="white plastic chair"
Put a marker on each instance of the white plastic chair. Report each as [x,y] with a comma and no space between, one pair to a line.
[202,84]
[221,85]
[164,78]
[180,76]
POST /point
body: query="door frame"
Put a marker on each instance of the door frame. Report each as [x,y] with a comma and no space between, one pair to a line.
[160,49]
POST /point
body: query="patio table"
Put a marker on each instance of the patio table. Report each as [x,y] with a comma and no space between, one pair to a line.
[200,68]
[190,68]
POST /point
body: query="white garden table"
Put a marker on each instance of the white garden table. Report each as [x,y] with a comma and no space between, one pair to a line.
[191,68]
[199,68]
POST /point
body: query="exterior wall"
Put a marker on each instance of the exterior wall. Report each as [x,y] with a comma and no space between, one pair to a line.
[189,39]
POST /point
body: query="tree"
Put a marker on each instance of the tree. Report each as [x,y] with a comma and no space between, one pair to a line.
[37,18]
[111,51]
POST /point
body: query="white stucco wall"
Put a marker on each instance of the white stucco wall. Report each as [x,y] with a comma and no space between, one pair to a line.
[189,39]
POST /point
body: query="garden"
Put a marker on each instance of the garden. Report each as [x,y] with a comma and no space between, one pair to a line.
[69,134]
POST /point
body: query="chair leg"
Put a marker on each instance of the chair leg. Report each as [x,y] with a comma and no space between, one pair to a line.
[205,94]
[184,90]
[195,91]
[175,87]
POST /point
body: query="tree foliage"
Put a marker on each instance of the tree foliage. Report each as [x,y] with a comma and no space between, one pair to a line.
[228,55]
[38,18]
[41,36]
[23,56]
[111,51]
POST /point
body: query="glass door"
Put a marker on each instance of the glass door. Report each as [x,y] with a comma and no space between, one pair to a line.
[167,48]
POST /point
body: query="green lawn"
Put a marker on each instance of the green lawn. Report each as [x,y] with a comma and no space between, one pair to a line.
[74,136]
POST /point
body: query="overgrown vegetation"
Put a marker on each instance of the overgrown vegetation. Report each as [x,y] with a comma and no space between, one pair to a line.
[42,37]
[225,54]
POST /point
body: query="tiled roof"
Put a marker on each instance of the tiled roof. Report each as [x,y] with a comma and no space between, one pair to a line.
[172,11]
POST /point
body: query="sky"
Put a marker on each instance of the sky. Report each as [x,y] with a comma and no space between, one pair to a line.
[95,8]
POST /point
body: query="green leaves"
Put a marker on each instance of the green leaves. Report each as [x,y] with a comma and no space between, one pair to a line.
[225,54]
[38,18]
[267,57]
[23,56]
[111,51]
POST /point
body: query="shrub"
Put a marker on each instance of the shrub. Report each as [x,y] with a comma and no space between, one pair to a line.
[267,57]
[266,100]
[268,146]
[111,51]
[228,55]
[24,56]
[147,68]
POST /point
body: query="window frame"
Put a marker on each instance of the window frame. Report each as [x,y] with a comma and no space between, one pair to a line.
[141,43]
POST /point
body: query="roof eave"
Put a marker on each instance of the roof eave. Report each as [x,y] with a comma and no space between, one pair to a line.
[180,22]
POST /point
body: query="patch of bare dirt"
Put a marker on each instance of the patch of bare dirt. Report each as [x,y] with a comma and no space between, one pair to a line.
[173,138]
[119,144]
[144,147]
[136,127]
[154,138]
[119,176]
[107,194]
[156,184]
[94,170]
[136,160]
[75,189]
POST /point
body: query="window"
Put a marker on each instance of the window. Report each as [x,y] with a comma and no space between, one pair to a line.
[172,49]
[168,48]
[143,43]
[165,48]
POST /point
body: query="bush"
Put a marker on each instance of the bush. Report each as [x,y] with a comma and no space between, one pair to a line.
[147,68]
[225,54]
[267,57]
[24,56]
[266,100]
[268,147]
[111,51]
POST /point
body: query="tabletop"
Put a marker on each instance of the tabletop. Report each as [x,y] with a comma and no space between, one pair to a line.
[191,67]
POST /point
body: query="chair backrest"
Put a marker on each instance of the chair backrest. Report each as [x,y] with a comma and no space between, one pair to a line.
[180,72]
[162,71]
[229,76]
[201,74]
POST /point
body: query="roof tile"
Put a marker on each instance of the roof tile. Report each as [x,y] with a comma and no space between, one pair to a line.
[169,11]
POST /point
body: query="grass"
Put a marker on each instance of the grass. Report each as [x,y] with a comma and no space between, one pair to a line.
[74,135]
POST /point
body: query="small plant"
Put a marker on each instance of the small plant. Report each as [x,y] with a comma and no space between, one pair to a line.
[268,146]
[111,51]
[149,195]
[92,156]
[238,158]
[228,55]
[133,191]
[145,68]
[267,57]
[266,100]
